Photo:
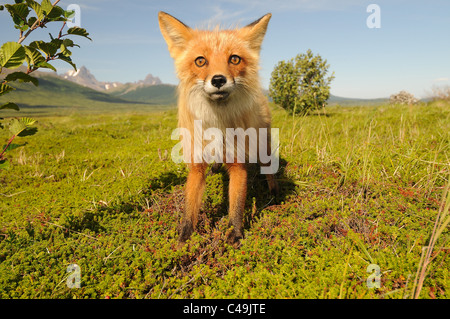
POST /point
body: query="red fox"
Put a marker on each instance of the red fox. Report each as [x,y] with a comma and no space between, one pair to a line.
[219,85]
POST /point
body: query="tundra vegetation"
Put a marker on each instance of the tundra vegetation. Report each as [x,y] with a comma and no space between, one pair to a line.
[359,186]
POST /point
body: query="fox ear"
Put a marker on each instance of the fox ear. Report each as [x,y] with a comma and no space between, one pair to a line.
[255,31]
[175,32]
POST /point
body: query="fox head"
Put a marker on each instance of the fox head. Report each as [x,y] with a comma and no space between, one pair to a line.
[217,63]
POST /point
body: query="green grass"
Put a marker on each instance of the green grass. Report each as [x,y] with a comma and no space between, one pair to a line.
[359,186]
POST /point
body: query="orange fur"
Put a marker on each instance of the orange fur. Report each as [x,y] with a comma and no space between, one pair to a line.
[223,93]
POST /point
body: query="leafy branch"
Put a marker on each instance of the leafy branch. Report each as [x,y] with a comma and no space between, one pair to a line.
[37,54]
[40,22]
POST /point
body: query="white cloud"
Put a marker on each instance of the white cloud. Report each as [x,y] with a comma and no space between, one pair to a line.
[239,12]
[441,80]
[310,5]
[221,16]
[292,5]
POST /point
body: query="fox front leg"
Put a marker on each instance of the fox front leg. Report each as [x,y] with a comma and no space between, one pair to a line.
[237,194]
[195,187]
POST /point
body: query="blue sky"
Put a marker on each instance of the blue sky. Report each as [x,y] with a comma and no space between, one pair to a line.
[410,51]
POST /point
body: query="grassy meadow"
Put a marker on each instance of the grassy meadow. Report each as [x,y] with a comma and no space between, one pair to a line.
[359,186]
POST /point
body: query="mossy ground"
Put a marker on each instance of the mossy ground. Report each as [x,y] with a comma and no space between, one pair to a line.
[359,186]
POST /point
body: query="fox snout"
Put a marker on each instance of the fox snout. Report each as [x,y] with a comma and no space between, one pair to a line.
[218,87]
[218,81]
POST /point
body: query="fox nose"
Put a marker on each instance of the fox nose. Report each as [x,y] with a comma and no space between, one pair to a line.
[218,80]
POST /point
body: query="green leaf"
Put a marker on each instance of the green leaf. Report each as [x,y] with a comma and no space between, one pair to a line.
[61,19]
[79,31]
[33,56]
[22,26]
[67,59]
[28,121]
[16,126]
[46,65]
[18,12]
[69,43]
[63,47]
[48,48]
[56,43]
[19,125]
[55,13]
[31,21]
[12,55]
[65,51]
[28,131]
[10,105]
[5,88]
[69,14]
[12,147]
[37,8]
[22,77]
[46,6]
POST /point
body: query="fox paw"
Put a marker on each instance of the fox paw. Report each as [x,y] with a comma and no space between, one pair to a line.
[234,238]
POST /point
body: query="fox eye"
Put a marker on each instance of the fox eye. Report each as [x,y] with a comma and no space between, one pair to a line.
[200,61]
[235,59]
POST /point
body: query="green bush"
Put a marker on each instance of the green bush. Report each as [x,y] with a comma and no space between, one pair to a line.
[300,84]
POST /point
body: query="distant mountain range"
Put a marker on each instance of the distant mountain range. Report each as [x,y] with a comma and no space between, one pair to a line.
[150,90]
[72,87]
[338,100]
[84,77]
